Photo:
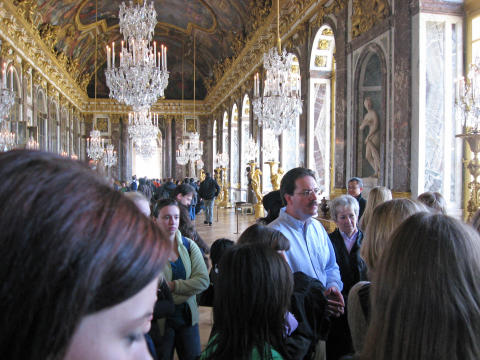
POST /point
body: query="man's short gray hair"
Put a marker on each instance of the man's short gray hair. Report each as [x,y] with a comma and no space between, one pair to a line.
[358,180]
[344,201]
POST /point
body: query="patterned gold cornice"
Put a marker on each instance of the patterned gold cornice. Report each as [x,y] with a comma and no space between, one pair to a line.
[244,65]
[26,41]
[164,107]
[366,14]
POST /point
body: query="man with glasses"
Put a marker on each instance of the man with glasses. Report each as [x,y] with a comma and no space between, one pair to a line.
[311,251]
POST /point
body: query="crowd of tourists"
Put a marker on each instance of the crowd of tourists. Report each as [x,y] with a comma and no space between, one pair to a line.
[92,272]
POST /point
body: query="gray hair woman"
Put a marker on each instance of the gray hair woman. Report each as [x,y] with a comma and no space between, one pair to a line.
[346,241]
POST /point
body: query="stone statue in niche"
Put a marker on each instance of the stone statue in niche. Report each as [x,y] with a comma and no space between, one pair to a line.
[372,141]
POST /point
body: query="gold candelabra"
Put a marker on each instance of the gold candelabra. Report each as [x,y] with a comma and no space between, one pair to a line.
[275,177]
[468,107]
[473,166]
[225,198]
[218,178]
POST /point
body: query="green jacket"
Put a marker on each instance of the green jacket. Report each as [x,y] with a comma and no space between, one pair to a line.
[197,279]
[255,354]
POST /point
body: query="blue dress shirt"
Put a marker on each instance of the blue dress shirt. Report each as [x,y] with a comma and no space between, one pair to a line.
[311,251]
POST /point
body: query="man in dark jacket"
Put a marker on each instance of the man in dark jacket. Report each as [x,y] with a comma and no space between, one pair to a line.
[355,188]
[208,191]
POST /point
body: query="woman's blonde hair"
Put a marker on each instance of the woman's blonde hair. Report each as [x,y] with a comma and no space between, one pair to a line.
[425,298]
[385,218]
[378,195]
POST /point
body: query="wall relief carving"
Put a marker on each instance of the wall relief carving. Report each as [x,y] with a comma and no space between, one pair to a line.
[366,13]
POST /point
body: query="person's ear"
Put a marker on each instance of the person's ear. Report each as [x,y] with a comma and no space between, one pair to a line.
[288,198]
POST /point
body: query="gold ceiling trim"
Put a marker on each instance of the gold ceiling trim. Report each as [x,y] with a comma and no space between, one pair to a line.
[237,71]
[366,14]
[26,41]
[164,107]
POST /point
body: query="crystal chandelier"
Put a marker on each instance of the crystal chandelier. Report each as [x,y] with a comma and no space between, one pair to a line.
[190,150]
[270,146]
[7,96]
[141,75]
[110,158]
[251,152]
[32,144]
[468,99]
[200,164]
[280,104]
[146,147]
[142,125]
[222,160]
[7,139]
[95,146]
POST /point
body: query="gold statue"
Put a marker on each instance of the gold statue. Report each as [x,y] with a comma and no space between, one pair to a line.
[255,174]
[202,175]
[275,177]
[225,198]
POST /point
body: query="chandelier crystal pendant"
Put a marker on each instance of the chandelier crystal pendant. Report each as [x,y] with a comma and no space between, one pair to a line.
[7,96]
[141,75]
[110,157]
[7,139]
[95,146]
[468,98]
[270,146]
[279,106]
[222,160]
[251,152]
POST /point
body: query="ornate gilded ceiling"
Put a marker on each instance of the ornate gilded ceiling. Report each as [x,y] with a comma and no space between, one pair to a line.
[58,39]
[69,28]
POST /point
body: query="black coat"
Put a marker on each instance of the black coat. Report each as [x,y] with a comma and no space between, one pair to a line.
[352,267]
[209,189]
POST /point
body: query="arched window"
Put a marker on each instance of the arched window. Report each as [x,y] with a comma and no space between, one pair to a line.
[42,119]
[150,167]
[214,144]
[235,154]
[64,131]
[17,125]
[53,127]
[245,135]
[321,112]
[290,137]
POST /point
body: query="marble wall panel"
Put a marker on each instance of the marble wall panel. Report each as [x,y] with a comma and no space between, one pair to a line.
[402,97]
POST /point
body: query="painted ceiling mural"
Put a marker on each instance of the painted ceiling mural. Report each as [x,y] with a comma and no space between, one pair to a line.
[71,25]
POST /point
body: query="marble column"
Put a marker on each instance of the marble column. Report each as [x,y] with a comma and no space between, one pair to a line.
[167,153]
[340,100]
[402,97]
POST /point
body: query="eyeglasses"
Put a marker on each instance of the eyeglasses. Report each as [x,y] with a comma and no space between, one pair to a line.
[309,193]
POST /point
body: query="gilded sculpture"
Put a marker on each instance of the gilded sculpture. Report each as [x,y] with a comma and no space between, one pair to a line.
[367,13]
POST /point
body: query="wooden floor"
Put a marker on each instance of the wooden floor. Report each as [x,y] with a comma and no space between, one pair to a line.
[226,224]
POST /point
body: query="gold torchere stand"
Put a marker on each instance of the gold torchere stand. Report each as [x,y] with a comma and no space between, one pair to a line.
[255,174]
[275,177]
[473,166]
[225,203]
[218,179]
